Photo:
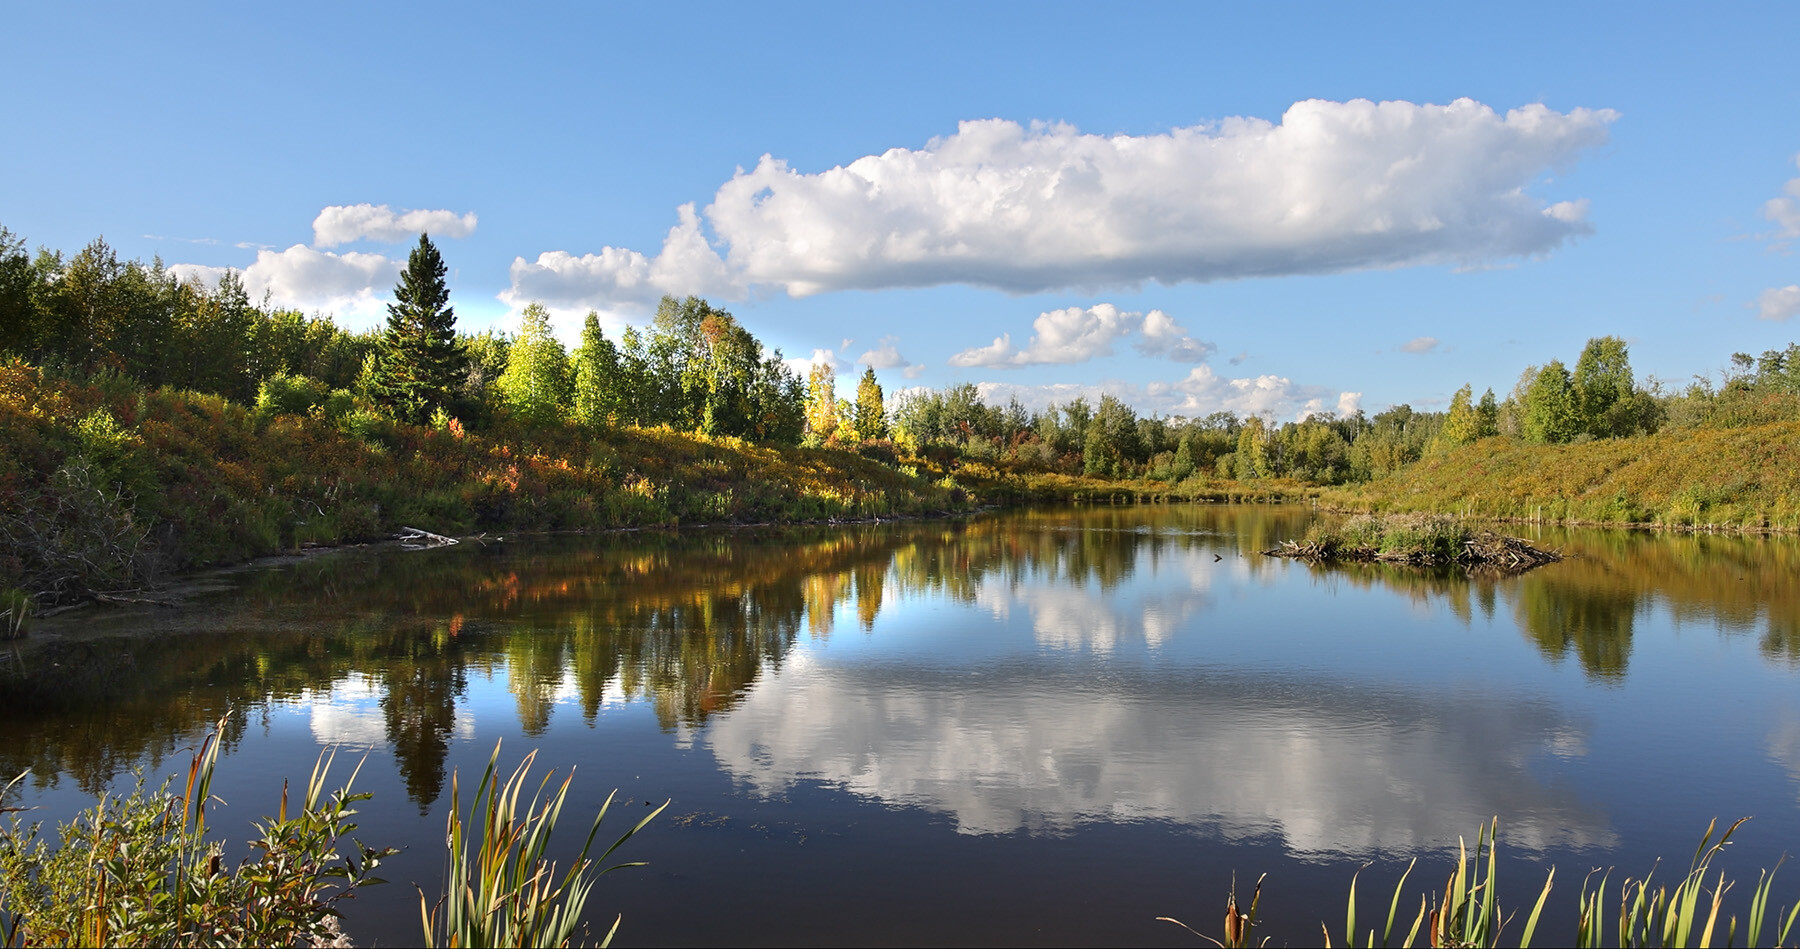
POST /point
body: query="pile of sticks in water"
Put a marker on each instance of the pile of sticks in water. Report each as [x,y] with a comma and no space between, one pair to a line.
[1485,549]
[1509,553]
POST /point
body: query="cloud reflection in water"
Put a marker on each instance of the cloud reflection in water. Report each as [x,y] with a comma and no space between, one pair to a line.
[1030,746]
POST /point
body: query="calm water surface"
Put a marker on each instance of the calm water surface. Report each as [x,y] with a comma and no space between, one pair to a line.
[1045,727]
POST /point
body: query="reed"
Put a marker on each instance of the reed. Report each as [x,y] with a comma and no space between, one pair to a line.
[141,870]
[1468,911]
[15,613]
[502,890]
[138,870]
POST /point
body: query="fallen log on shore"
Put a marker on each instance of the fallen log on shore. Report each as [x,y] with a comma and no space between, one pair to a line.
[412,538]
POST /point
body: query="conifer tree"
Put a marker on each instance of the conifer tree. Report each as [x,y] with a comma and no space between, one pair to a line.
[420,362]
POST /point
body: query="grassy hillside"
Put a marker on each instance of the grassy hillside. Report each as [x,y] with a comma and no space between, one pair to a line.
[104,485]
[1728,478]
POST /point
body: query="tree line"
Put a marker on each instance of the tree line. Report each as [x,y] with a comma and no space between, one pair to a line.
[1550,404]
[91,314]
[695,368]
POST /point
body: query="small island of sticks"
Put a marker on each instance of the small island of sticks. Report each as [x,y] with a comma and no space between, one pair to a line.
[1419,539]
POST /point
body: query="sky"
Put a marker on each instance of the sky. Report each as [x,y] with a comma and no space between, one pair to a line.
[1268,208]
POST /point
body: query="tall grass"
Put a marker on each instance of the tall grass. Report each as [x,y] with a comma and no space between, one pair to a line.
[141,870]
[1689,478]
[15,613]
[501,888]
[1468,910]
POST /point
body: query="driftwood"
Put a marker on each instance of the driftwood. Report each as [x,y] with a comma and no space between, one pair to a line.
[412,538]
[135,600]
[1484,550]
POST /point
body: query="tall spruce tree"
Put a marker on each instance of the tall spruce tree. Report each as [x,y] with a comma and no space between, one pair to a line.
[420,363]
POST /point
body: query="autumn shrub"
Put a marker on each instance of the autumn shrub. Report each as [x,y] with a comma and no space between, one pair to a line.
[139,870]
[143,869]
[208,481]
[284,394]
[72,539]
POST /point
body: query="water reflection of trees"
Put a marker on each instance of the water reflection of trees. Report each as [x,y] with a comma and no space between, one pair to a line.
[687,623]
[1588,604]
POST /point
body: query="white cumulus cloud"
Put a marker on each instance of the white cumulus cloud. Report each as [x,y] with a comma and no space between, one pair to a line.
[1785,211]
[353,286]
[620,278]
[1420,345]
[1779,303]
[1200,393]
[347,223]
[887,356]
[1332,186]
[802,365]
[1077,334]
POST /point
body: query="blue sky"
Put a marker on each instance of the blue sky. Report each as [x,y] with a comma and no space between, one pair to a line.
[1195,207]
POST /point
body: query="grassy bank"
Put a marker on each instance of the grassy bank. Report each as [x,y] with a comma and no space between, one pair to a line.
[1706,478]
[104,485]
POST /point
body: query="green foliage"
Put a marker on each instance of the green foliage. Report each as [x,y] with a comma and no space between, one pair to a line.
[15,613]
[1113,445]
[870,421]
[1253,450]
[282,394]
[1487,416]
[1462,424]
[1414,538]
[601,388]
[536,385]
[1468,910]
[1679,476]
[1100,458]
[700,371]
[506,892]
[420,362]
[1182,465]
[489,352]
[821,403]
[1602,379]
[1552,414]
[139,870]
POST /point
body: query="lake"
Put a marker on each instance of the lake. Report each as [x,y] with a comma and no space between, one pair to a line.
[1039,727]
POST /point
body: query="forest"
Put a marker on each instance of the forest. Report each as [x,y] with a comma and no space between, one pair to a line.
[151,424]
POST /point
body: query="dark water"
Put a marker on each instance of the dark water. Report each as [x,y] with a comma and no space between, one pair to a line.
[1047,727]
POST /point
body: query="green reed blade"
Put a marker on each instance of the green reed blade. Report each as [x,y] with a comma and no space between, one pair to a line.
[1532,920]
[1394,905]
[1418,920]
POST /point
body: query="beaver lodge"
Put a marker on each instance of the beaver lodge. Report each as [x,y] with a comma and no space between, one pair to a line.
[1420,539]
